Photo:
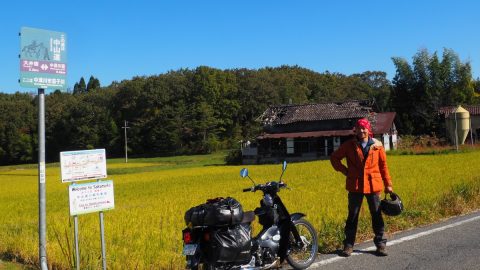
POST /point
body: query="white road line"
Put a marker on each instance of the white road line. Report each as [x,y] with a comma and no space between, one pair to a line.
[397,241]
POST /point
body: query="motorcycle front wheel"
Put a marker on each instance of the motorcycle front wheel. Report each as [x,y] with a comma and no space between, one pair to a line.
[302,255]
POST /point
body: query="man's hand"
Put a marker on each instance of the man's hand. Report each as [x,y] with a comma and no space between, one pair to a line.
[388,189]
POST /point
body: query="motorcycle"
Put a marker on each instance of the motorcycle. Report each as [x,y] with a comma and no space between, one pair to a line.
[230,245]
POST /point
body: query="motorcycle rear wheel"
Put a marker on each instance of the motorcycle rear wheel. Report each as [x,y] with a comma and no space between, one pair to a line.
[302,255]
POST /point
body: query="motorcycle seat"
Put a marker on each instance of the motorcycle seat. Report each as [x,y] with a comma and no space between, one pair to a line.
[248,217]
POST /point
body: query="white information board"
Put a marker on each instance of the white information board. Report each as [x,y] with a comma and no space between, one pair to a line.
[83,165]
[91,197]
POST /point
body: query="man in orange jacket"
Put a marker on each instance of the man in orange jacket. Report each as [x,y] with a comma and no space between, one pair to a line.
[367,175]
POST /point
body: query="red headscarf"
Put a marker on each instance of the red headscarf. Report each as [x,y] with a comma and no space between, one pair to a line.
[364,123]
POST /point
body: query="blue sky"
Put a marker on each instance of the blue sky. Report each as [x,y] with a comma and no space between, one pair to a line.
[116,40]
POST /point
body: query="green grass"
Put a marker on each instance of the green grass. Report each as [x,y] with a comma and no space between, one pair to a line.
[152,195]
[13,266]
[167,163]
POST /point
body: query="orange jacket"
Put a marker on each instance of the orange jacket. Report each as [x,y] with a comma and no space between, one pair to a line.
[365,176]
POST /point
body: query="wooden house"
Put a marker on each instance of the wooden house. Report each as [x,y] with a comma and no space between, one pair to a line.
[314,131]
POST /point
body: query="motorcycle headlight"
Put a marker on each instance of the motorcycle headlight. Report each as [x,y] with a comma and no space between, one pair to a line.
[268,200]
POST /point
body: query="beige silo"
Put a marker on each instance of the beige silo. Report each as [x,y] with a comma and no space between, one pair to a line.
[459,118]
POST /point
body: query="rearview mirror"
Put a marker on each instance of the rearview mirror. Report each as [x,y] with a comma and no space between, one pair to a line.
[284,167]
[244,172]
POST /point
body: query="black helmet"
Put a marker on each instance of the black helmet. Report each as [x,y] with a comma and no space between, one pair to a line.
[392,207]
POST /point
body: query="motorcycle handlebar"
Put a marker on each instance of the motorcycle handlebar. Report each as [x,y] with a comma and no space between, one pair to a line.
[260,187]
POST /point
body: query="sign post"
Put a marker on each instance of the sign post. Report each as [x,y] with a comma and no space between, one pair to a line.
[42,65]
[102,239]
[87,197]
[42,211]
[77,250]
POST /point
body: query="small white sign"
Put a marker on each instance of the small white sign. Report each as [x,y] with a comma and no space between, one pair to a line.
[83,165]
[290,146]
[91,197]
[41,172]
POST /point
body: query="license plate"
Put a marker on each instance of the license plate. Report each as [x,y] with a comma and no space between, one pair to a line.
[190,249]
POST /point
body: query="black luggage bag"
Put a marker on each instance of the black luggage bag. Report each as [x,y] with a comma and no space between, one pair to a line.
[230,244]
[215,212]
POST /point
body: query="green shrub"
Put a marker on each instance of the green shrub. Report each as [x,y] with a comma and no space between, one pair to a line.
[234,157]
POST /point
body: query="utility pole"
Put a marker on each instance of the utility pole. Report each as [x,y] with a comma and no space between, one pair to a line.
[126,147]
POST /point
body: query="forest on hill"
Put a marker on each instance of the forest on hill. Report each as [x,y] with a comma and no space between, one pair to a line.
[192,111]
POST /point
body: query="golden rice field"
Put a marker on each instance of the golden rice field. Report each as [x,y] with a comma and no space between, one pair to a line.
[151,196]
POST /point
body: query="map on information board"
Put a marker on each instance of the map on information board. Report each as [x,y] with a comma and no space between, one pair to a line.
[83,165]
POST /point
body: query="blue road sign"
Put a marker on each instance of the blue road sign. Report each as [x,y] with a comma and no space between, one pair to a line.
[43,58]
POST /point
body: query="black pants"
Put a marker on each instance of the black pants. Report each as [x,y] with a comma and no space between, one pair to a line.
[354,205]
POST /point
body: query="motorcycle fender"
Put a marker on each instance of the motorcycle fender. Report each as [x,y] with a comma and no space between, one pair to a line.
[296,216]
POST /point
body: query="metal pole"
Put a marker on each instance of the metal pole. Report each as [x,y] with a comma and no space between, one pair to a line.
[42,213]
[471,132]
[102,237]
[126,147]
[456,132]
[77,251]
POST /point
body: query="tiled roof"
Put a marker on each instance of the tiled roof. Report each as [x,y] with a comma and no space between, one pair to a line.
[286,114]
[383,122]
[309,134]
[473,110]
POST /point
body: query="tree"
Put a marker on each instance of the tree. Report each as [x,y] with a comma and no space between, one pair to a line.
[17,128]
[80,87]
[379,87]
[191,111]
[90,122]
[93,83]
[476,86]
[401,98]
[420,89]
[58,125]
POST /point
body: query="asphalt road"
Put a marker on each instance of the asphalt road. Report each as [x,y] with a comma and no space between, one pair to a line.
[452,244]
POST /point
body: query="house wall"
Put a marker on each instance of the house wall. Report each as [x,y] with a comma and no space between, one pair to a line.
[275,150]
[475,127]
[386,141]
[312,126]
[302,149]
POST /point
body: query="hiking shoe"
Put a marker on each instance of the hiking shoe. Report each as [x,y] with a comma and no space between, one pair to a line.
[381,251]
[347,251]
